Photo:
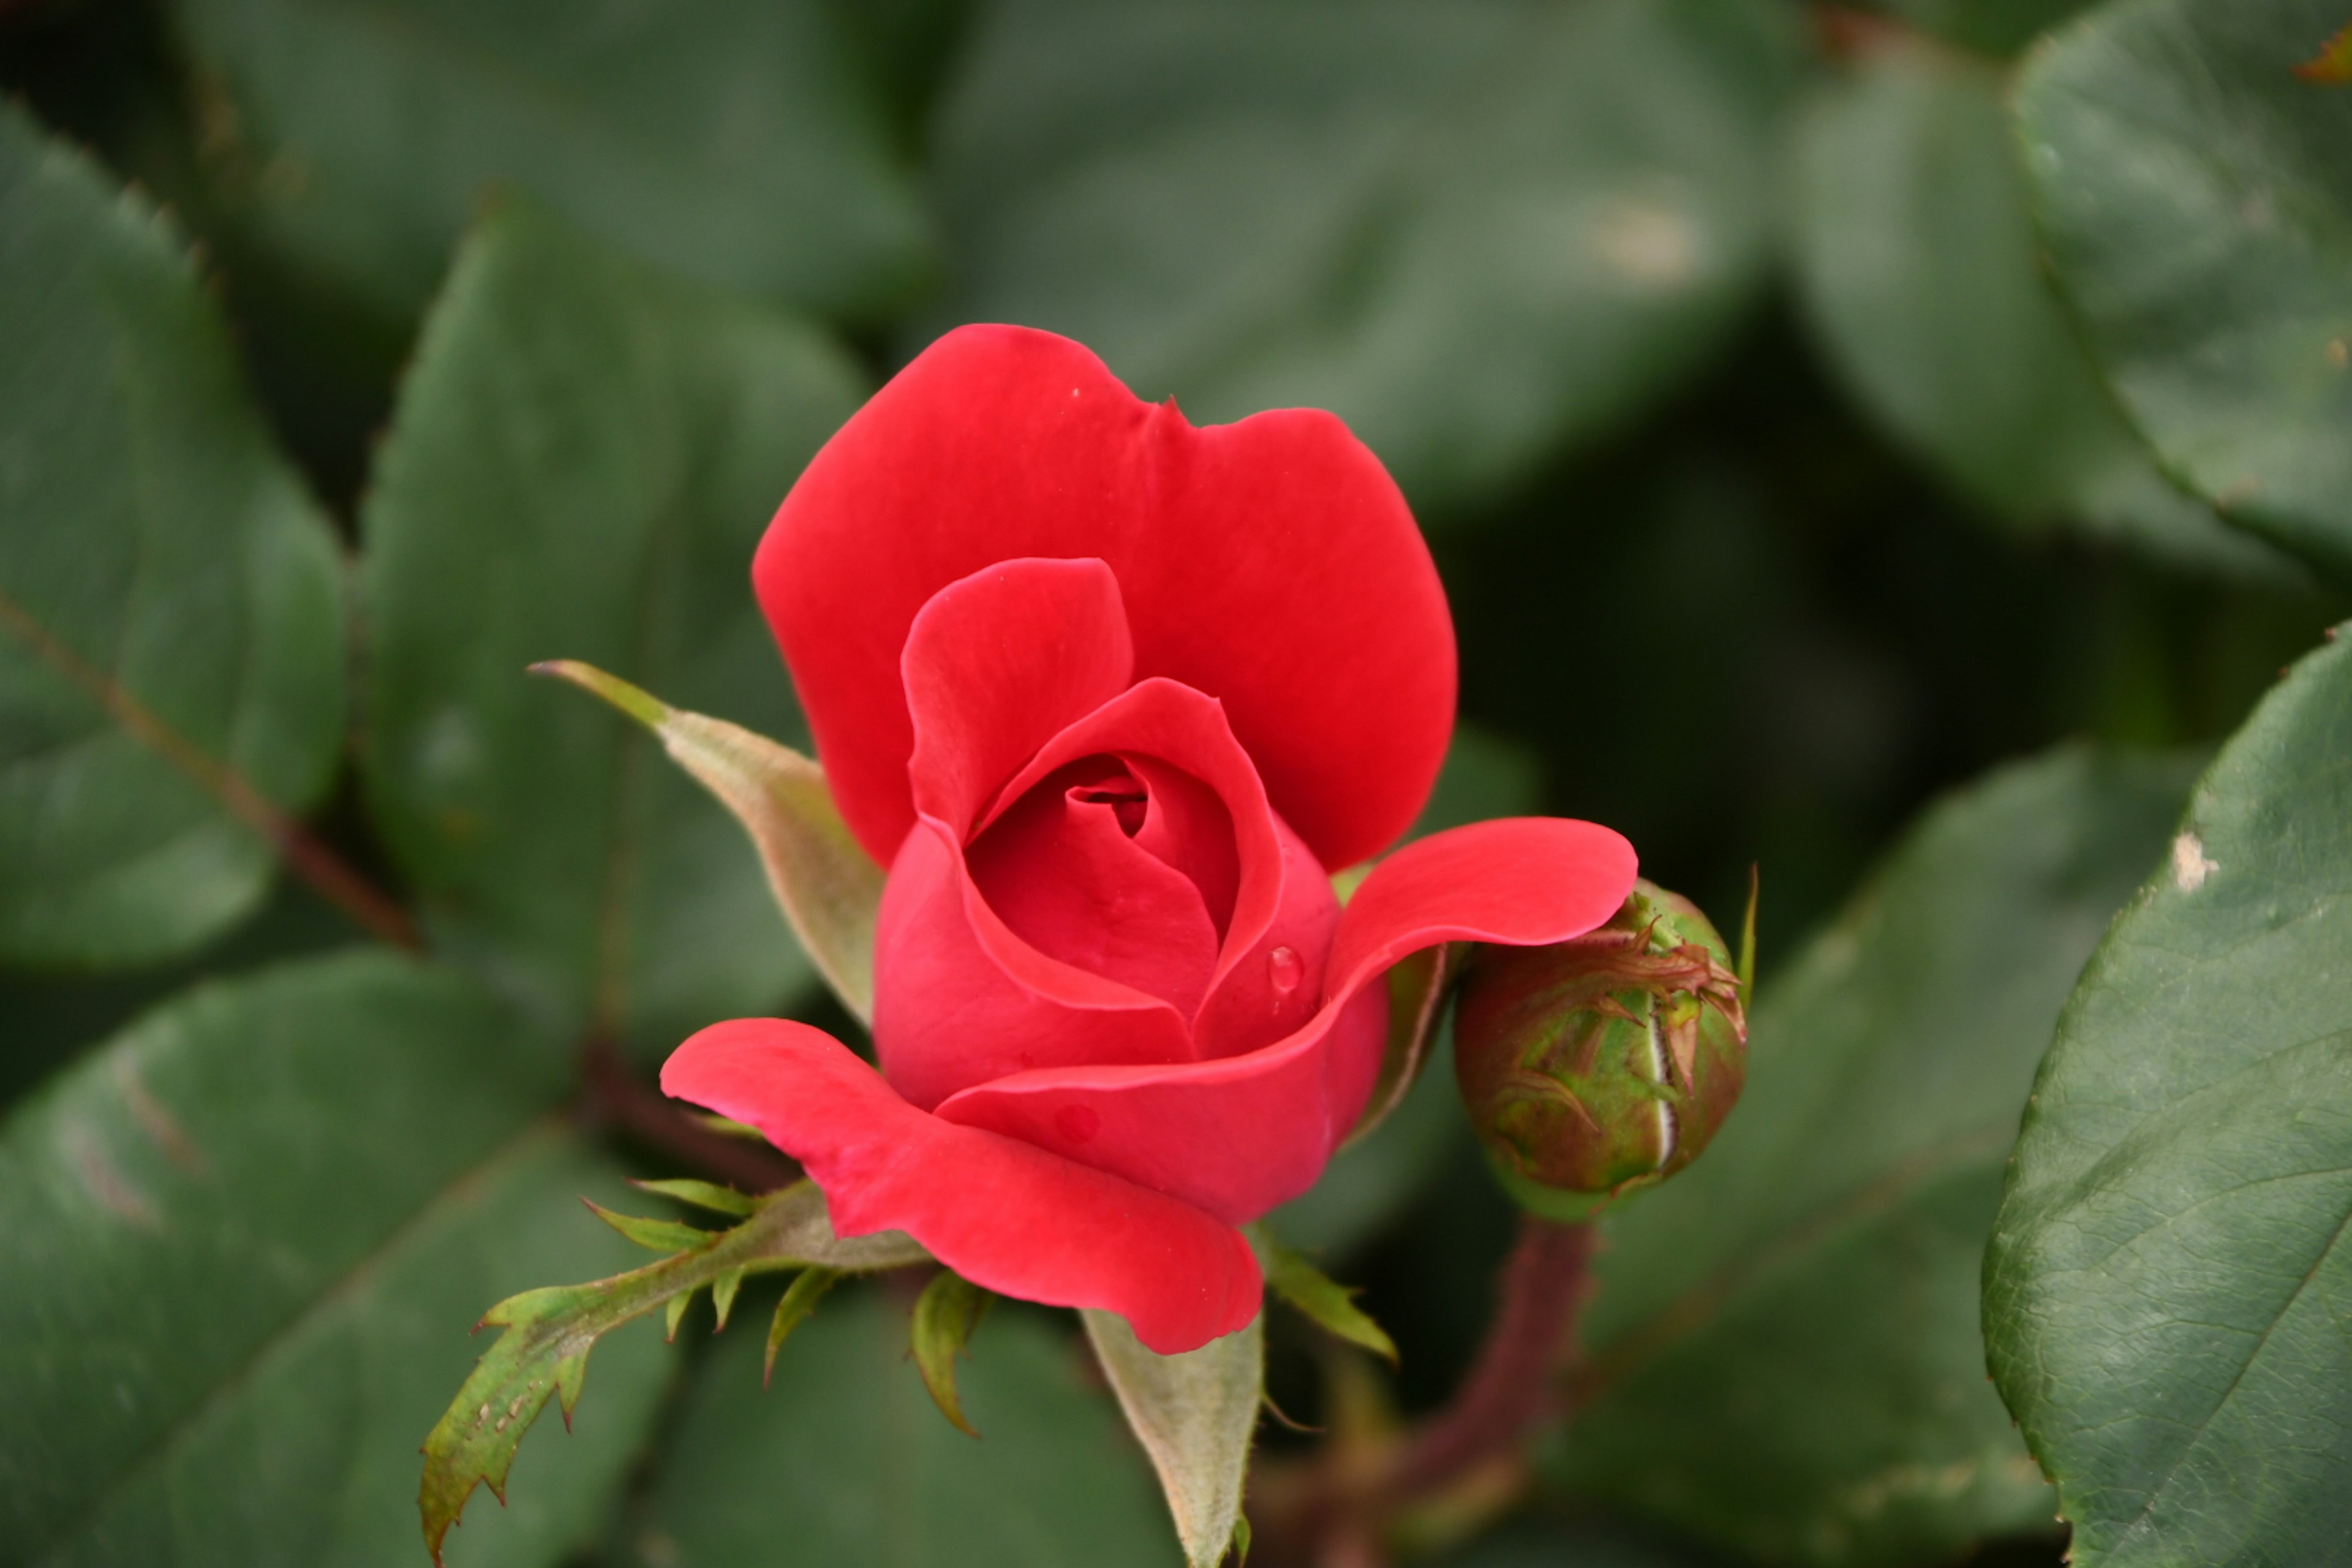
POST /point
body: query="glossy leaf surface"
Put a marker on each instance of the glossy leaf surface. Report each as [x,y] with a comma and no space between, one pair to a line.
[171,615]
[2170,1287]
[843,1459]
[582,461]
[2197,205]
[1920,264]
[736,142]
[261,1220]
[1784,1352]
[1479,233]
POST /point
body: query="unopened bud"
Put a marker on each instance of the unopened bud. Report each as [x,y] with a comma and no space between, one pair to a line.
[1604,1063]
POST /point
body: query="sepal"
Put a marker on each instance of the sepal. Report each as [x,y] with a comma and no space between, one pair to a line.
[946,1316]
[1420,986]
[800,1298]
[1323,1300]
[1194,1413]
[829,888]
[549,1331]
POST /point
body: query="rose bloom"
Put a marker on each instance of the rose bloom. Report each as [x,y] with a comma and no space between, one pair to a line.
[1112,697]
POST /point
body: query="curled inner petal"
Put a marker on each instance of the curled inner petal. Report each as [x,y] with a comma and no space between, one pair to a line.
[1067,873]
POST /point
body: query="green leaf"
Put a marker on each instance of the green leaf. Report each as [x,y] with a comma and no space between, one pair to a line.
[171,615]
[843,1461]
[2166,1289]
[1194,1413]
[1480,233]
[1922,273]
[53,1017]
[945,1313]
[702,1194]
[582,462]
[653,1235]
[312,1457]
[240,1244]
[1783,1356]
[1325,1303]
[551,1331]
[829,888]
[809,1286]
[1987,26]
[2196,203]
[735,143]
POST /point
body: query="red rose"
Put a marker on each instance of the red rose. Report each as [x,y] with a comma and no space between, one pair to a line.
[1112,697]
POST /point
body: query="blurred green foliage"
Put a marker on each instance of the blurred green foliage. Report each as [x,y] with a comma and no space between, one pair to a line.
[1780,481]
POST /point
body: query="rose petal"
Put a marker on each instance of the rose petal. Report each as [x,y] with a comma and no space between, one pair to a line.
[1001,1214]
[996,664]
[1239,1135]
[1270,563]
[1163,719]
[960,999]
[1273,987]
[1186,826]
[1522,881]
[1233,1137]
[1064,874]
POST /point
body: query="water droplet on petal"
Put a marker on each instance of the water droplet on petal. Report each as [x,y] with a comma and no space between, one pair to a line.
[1283,969]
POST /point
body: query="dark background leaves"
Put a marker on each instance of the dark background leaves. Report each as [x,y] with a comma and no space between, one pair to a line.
[1761,533]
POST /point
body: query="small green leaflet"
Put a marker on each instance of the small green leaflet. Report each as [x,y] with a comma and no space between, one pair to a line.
[800,1298]
[703,1195]
[946,1315]
[549,1331]
[1328,1304]
[830,890]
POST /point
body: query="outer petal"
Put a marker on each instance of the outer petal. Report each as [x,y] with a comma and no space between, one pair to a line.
[995,665]
[1270,563]
[1239,1135]
[1000,1213]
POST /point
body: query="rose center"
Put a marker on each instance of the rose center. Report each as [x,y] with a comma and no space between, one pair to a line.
[1123,865]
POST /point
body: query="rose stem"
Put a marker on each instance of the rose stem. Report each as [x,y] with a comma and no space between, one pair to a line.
[1514,1384]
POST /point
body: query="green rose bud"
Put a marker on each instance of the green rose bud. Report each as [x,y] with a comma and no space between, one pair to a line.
[1605,1063]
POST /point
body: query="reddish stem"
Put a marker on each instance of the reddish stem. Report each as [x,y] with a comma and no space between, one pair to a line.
[615,1097]
[1513,1384]
[1333,1510]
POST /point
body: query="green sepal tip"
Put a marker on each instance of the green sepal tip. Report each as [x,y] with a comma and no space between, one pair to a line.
[800,1298]
[664,1235]
[1324,1301]
[946,1315]
[702,1195]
